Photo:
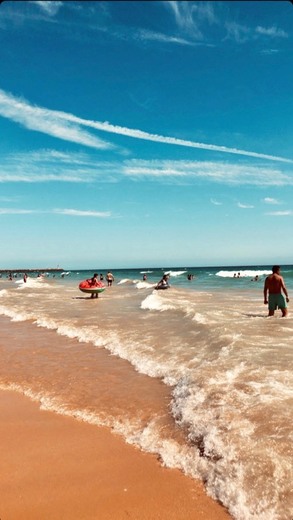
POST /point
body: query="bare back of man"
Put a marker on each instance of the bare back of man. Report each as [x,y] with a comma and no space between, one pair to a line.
[274,285]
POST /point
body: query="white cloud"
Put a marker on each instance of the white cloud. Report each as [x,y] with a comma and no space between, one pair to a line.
[272,32]
[216,203]
[237,32]
[49,7]
[80,213]
[46,121]
[154,36]
[54,123]
[269,200]
[190,16]
[12,211]
[244,206]
[269,51]
[69,212]
[54,166]
[219,172]
[285,213]
[242,33]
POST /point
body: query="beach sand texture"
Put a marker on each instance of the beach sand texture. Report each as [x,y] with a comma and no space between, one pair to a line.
[55,467]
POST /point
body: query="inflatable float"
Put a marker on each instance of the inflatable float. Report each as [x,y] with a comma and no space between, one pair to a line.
[88,287]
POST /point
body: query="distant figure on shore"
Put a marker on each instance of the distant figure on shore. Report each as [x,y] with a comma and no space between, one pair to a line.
[274,285]
[25,277]
[144,277]
[110,278]
[163,283]
[101,277]
[190,277]
[255,279]
[10,276]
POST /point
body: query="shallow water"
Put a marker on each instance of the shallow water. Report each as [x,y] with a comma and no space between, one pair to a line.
[197,374]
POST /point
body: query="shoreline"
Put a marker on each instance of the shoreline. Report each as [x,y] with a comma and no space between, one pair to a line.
[57,467]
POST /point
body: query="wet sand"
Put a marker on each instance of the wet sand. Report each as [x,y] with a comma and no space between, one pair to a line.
[56,467]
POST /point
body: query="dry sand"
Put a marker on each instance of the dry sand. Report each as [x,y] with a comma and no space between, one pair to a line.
[54,467]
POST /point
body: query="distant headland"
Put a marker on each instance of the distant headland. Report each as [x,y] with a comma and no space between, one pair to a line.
[43,270]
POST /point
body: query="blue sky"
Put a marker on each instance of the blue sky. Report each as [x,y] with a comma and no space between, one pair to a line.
[138,134]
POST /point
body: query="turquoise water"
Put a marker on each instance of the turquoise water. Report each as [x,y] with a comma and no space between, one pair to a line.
[215,278]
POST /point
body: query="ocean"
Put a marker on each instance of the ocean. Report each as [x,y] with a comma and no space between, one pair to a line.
[197,374]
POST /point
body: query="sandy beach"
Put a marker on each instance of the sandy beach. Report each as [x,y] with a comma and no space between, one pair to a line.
[56,467]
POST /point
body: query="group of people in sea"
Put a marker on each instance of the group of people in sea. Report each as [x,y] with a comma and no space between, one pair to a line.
[98,282]
[109,278]
[274,287]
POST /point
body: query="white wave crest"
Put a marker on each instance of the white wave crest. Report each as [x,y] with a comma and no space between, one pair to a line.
[243,273]
[154,302]
[145,285]
[175,273]
[127,280]
[15,315]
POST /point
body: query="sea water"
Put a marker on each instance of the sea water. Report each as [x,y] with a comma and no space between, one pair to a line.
[197,374]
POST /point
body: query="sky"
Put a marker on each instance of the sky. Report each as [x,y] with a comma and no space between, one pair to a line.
[146,133]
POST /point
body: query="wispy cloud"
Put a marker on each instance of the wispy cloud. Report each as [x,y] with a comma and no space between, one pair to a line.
[244,206]
[47,121]
[216,203]
[66,126]
[241,33]
[80,213]
[272,32]
[69,212]
[237,32]
[219,172]
[269,200]
[269,52]
[51,8]
[54,166]
[286,213]
[12,211]
[164,38]
[195,18]
[190,16]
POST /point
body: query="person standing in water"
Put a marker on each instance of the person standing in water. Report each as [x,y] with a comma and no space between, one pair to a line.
[274,285]
[109,278]
[94,282]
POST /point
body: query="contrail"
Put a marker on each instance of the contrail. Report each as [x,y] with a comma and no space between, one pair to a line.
[50,122]
[140,134]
